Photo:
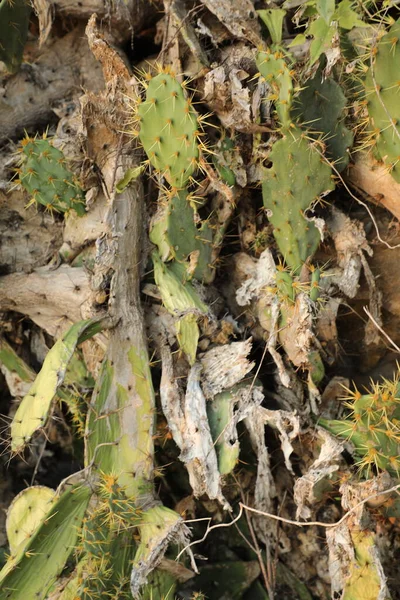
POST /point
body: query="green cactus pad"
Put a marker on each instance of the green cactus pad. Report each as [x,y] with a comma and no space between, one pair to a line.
[43,172]
[34,409]
[373,428]
[274,69]
[25,514]
[169,130]
[296,180]
[177,235]
[320,106]
[382,85]
[33,570]
[14,23]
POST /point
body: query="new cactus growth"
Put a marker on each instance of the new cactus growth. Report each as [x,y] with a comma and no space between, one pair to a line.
[44,174]
[169,130]
[382,98]
[14,23]
[297,179]
[373,427]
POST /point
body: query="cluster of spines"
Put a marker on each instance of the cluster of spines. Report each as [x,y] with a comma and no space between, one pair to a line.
[112,521]
[373,426]
[44,174]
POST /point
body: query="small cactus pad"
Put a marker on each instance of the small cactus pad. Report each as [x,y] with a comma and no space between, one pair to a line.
[275,71]
[382,85]
[14,23]
[169,130]
[25,514]
[296,180]
[44,174]
[373,427]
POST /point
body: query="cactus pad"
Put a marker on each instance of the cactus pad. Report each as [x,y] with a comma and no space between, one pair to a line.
[177,235]
[33,411]
[43,172]
[25,514]
[169,130]
[382,84]
[297,179]
[373,427]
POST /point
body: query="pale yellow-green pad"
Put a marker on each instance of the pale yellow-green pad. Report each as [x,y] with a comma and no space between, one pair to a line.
[34,409]
[25,514]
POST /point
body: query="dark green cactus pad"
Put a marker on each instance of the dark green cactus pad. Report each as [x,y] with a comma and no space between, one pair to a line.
[382,86]
[14,23]
[44,174]
[320,107]
[273,67]
[169,130]
[296,180]
[177,234]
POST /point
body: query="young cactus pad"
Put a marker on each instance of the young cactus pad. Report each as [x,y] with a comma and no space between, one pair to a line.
[373,427]
[296,180]
[169,130]
[382,85]
[44,174]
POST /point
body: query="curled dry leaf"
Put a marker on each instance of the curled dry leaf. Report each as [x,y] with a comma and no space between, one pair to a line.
[326,464]
[224,366]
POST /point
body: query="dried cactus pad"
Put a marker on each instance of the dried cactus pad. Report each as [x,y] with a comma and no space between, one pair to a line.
[169,130]
[43,172]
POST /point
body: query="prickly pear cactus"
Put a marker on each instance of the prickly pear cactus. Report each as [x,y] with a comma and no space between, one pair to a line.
[382,99]
[43,172]
[169,129]
[373,427]
[297,179]
[14,22]
[274,69]
[177,236]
